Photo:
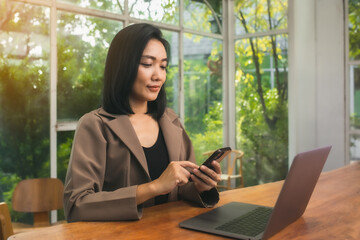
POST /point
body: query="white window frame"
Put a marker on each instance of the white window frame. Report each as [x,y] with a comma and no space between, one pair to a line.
[228,38]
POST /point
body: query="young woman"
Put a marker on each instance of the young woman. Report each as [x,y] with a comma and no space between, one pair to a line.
[133,151]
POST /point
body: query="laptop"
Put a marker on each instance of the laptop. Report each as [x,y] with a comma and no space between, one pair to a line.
[248,221]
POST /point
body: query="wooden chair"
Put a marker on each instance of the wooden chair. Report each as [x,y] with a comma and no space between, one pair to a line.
[232,169]
[38,196]
[6,228]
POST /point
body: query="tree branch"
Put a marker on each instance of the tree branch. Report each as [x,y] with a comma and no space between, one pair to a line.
[119,4]
[214,14]
[280,87]
[268,120]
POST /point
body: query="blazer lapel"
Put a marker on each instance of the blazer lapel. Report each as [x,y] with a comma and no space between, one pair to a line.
[121,126]
[172,135]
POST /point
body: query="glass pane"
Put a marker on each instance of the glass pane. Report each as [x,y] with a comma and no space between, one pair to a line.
[355,148]
[253,16]
[115,6]
[355,97]
[64,144]
[261,107]
[24,97]
[203,15]
[203,93]
[82,47]
[354,29]
[172,76]
[165,11]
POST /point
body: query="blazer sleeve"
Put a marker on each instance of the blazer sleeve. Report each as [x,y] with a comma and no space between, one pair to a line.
[188,192]
[84,199]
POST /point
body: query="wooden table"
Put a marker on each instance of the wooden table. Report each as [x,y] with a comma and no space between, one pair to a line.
[333,213]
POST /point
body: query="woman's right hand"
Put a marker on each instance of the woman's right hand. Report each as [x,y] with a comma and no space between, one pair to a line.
[176,174]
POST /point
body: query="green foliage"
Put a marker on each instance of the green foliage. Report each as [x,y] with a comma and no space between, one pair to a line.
[261,109]
[25,113]
[354,29]
[262,122]
[24,98]
[265,148]
[81,61]
[65,140]
[260,15]
[202,84]
[212,137]
[194,9]
[8,184]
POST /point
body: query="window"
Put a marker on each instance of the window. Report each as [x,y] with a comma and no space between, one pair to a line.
[82,44]
[24,95]
[261,88]
[115,6]
[165,11]
[52,56]
[203,93]
[354,78]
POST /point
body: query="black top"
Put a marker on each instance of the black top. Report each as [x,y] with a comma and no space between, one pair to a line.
[157,160]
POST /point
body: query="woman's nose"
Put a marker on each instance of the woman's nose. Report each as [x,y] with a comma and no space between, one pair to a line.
[157,73]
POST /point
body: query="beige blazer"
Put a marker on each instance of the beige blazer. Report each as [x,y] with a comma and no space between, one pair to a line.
[107,163]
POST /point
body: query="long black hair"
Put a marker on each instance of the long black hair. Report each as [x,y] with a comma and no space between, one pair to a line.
[122,65]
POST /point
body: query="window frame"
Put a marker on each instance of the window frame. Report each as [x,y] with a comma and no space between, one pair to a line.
[228,38]
[349,63]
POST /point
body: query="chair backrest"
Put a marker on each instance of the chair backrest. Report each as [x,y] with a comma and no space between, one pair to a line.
[6,229]
[38,196]
[232,169]
[232,159]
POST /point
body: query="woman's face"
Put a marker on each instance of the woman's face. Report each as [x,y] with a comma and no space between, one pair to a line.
[151,73]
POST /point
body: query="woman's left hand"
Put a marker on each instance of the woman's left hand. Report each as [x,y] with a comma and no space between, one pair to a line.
[206,179]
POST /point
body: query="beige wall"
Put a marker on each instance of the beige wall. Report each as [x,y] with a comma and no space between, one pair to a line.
[317,78]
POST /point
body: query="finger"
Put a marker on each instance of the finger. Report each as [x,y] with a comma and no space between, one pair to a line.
[210,173]
[183,178]
[216,166]
[179,182]
[188,164]
[199,184]
[205,178]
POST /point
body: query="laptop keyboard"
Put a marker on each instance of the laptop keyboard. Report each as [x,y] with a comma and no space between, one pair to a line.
[249,224]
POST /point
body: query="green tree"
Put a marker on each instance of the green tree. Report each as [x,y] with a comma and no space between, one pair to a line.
[354,54]
[203,95]
[24,97]
[262,108]
[354,29]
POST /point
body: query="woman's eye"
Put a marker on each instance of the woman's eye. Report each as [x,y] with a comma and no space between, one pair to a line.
[164,67]
[146,64]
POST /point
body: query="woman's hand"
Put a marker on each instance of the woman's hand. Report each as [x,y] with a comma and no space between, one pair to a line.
[206,179]
[176,174]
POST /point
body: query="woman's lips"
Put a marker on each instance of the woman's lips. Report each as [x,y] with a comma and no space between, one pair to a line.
[154,88]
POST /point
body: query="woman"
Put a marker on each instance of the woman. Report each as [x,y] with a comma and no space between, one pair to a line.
[133,152]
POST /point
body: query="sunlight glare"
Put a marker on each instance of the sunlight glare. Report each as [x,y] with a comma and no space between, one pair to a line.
[36,51]
[154,9]
[16,17]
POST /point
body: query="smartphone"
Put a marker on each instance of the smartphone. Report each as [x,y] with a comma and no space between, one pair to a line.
[218,156]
